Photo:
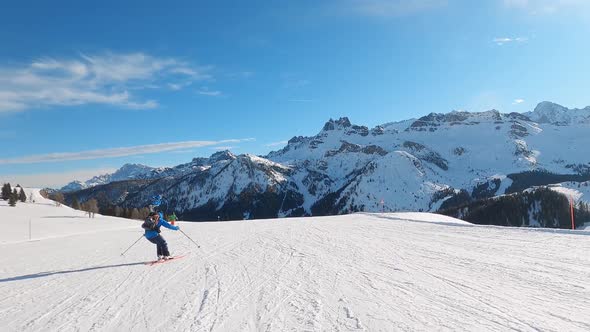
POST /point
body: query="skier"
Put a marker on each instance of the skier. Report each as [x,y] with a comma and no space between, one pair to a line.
[152,226]
[172,218]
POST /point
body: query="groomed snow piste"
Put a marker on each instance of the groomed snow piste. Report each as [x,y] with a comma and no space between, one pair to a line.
[360,272]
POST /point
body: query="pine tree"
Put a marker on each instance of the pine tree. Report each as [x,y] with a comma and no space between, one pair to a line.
[13,198]
[91,207]
[135,214]
[6,191]
[75,203]
[119,211]
[144,212]
[22,196]
[58,198]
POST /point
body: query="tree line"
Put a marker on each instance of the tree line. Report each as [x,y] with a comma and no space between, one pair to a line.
[13,195]
[541,207]
[92,207]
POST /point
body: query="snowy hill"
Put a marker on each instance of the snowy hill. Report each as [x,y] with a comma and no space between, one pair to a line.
[578,191]
[371,272]
[414,165]
[43,216]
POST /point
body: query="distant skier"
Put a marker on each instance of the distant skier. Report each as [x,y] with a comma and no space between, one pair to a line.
[172,218]
[152,226]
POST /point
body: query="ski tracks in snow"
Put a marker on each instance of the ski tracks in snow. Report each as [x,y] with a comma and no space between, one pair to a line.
[352,273]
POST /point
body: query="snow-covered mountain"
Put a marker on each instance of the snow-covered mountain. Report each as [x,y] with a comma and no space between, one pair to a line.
[414,165]
[126,172]
[134,172]
[548,112]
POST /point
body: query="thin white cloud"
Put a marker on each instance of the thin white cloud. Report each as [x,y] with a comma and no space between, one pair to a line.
[223,148]
[505,40]
[54,179]
[392,8]
[518,101]
[178,86]
[183,151]
[92,79]
[275,144]
[115,152]
[206,92]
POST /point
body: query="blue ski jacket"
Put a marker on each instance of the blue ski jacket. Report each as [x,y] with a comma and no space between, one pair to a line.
[162,222]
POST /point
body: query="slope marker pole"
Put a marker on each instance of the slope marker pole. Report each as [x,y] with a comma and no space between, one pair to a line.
[572,213]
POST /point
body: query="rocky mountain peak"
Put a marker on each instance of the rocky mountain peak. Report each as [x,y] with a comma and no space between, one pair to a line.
[339,124]
[549,112]
[222,155]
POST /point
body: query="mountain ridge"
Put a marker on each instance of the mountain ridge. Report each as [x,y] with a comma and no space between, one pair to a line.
[413,165]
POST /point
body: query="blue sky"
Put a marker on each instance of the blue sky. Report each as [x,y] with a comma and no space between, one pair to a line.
[84,89]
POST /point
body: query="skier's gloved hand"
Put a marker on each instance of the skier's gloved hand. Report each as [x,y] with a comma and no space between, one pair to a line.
[177,228]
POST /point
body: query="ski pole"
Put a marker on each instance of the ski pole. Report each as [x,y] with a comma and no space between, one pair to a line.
[123,253]
[198,246]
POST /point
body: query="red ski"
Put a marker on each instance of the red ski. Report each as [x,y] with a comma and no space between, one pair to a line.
[160,261]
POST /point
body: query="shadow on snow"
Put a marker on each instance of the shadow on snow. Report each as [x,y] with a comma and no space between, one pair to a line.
[50,273]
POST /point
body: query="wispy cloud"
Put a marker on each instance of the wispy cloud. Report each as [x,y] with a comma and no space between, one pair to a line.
[293,81]
[505,40]
[183,151]
[115,152]
[107,78]
[53,180]
[206,92]
[518,101]
[392,8]
[275,144]
[223,148]
[178,86]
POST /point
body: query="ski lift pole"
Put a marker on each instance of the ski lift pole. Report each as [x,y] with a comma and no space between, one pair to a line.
[123,253]
[198,246]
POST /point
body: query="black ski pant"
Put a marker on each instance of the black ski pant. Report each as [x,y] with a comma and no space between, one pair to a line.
[161,245]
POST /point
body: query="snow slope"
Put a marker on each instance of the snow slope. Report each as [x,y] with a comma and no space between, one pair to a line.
[578,191]
[45,220]
[360,272]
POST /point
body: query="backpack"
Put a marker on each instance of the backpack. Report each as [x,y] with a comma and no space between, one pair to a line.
[149,224]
